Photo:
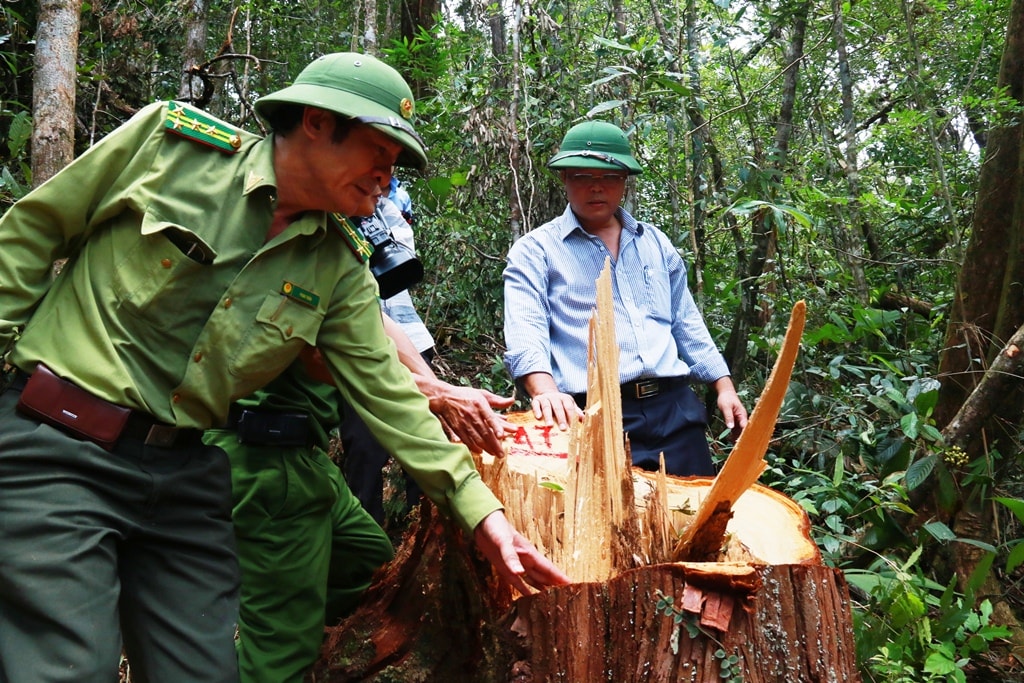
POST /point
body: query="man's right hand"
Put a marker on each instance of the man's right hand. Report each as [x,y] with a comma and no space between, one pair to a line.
[467,415]
[549,404]
[554,407]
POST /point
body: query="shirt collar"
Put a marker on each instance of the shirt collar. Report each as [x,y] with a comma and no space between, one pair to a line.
[568,223]
[259,172]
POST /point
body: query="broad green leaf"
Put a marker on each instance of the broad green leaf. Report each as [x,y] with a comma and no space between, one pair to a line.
[919,471]
[909,425]
[1016,505]
[939,531]
[939,663]
[1016,557]
[605,106]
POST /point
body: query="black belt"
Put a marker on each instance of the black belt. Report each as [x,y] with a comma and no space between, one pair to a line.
[641,389]
[269,428]
[152,432]
[650,387]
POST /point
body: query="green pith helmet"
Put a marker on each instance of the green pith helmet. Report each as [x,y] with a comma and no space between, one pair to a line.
[362,87]
[595,144]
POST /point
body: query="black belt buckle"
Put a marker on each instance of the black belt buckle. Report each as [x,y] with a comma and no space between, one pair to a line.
[273,429]
[161,436]
[646,388]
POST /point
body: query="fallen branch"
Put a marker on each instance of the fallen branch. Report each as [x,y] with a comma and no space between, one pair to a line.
[998,380]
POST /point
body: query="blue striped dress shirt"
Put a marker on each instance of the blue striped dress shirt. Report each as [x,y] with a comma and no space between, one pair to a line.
[550,294]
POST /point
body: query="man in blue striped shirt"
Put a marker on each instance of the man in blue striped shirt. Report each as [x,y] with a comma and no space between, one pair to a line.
[664,345]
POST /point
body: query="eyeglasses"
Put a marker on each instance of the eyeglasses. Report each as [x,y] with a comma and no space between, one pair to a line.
[603,178]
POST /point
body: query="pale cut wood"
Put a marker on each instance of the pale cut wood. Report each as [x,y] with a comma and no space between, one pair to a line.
[745,464]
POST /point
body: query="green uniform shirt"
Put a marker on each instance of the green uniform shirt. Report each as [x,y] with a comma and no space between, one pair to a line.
[136,321]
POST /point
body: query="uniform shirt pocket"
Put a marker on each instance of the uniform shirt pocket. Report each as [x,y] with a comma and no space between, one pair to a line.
[155,275]
[282,327]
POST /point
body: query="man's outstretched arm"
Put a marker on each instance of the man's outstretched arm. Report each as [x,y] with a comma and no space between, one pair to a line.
[467,414]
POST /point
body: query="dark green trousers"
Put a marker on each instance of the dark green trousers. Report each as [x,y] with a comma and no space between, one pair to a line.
[306,547]
[96,547]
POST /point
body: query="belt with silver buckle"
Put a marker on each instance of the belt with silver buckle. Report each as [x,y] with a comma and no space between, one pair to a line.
[650,387]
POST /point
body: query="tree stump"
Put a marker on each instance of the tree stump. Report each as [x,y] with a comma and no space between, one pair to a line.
[436,613]
[757,607]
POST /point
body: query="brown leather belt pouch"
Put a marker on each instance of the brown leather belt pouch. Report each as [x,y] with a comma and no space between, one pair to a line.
[59,403]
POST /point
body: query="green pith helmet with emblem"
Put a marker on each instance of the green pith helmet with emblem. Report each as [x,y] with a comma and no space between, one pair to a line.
[359,86]
[596,144]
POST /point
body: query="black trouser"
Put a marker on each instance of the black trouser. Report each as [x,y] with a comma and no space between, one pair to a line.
[364,460]
[363,464]
[672,421]
[96,546]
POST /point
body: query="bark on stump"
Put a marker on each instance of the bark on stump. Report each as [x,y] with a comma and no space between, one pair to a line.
[437,614]
[765,610]
[758,607]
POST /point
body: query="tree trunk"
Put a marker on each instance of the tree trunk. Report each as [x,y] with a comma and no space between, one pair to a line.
[981,410]
[893,301]
[761,608]
[436,613]
[53,89]
[992,261]
[370,27]
[753,312]
[194,53]
[849,246]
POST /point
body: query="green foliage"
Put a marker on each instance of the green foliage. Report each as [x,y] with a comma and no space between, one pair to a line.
[1015,546]
[859,436]
[911,629]
[857,432]
[19,132]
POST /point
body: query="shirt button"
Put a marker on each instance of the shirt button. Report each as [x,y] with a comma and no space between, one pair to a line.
[228,302]
[288,332]
[176,398]
[166,263]
[198,357]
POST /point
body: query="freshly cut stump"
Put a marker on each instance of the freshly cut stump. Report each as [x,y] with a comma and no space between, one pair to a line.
[752,601]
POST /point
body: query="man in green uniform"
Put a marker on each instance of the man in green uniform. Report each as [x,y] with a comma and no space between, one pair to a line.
[307,548]
[201,262]
[292,511]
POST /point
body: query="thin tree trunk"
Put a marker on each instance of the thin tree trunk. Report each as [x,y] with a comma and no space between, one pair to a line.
[619,12]
[370,27]
[194,52]
[702,148]
[763,234]
[923,100]
[515,154]
[849,245]
[53,90]
[699,186]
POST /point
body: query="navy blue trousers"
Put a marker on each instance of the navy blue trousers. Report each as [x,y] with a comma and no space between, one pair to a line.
[674,422]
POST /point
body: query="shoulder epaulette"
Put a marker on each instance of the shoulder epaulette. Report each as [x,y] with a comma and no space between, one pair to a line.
[202,128]
[354,237]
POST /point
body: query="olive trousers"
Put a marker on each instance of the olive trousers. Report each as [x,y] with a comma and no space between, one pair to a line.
[307,551]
